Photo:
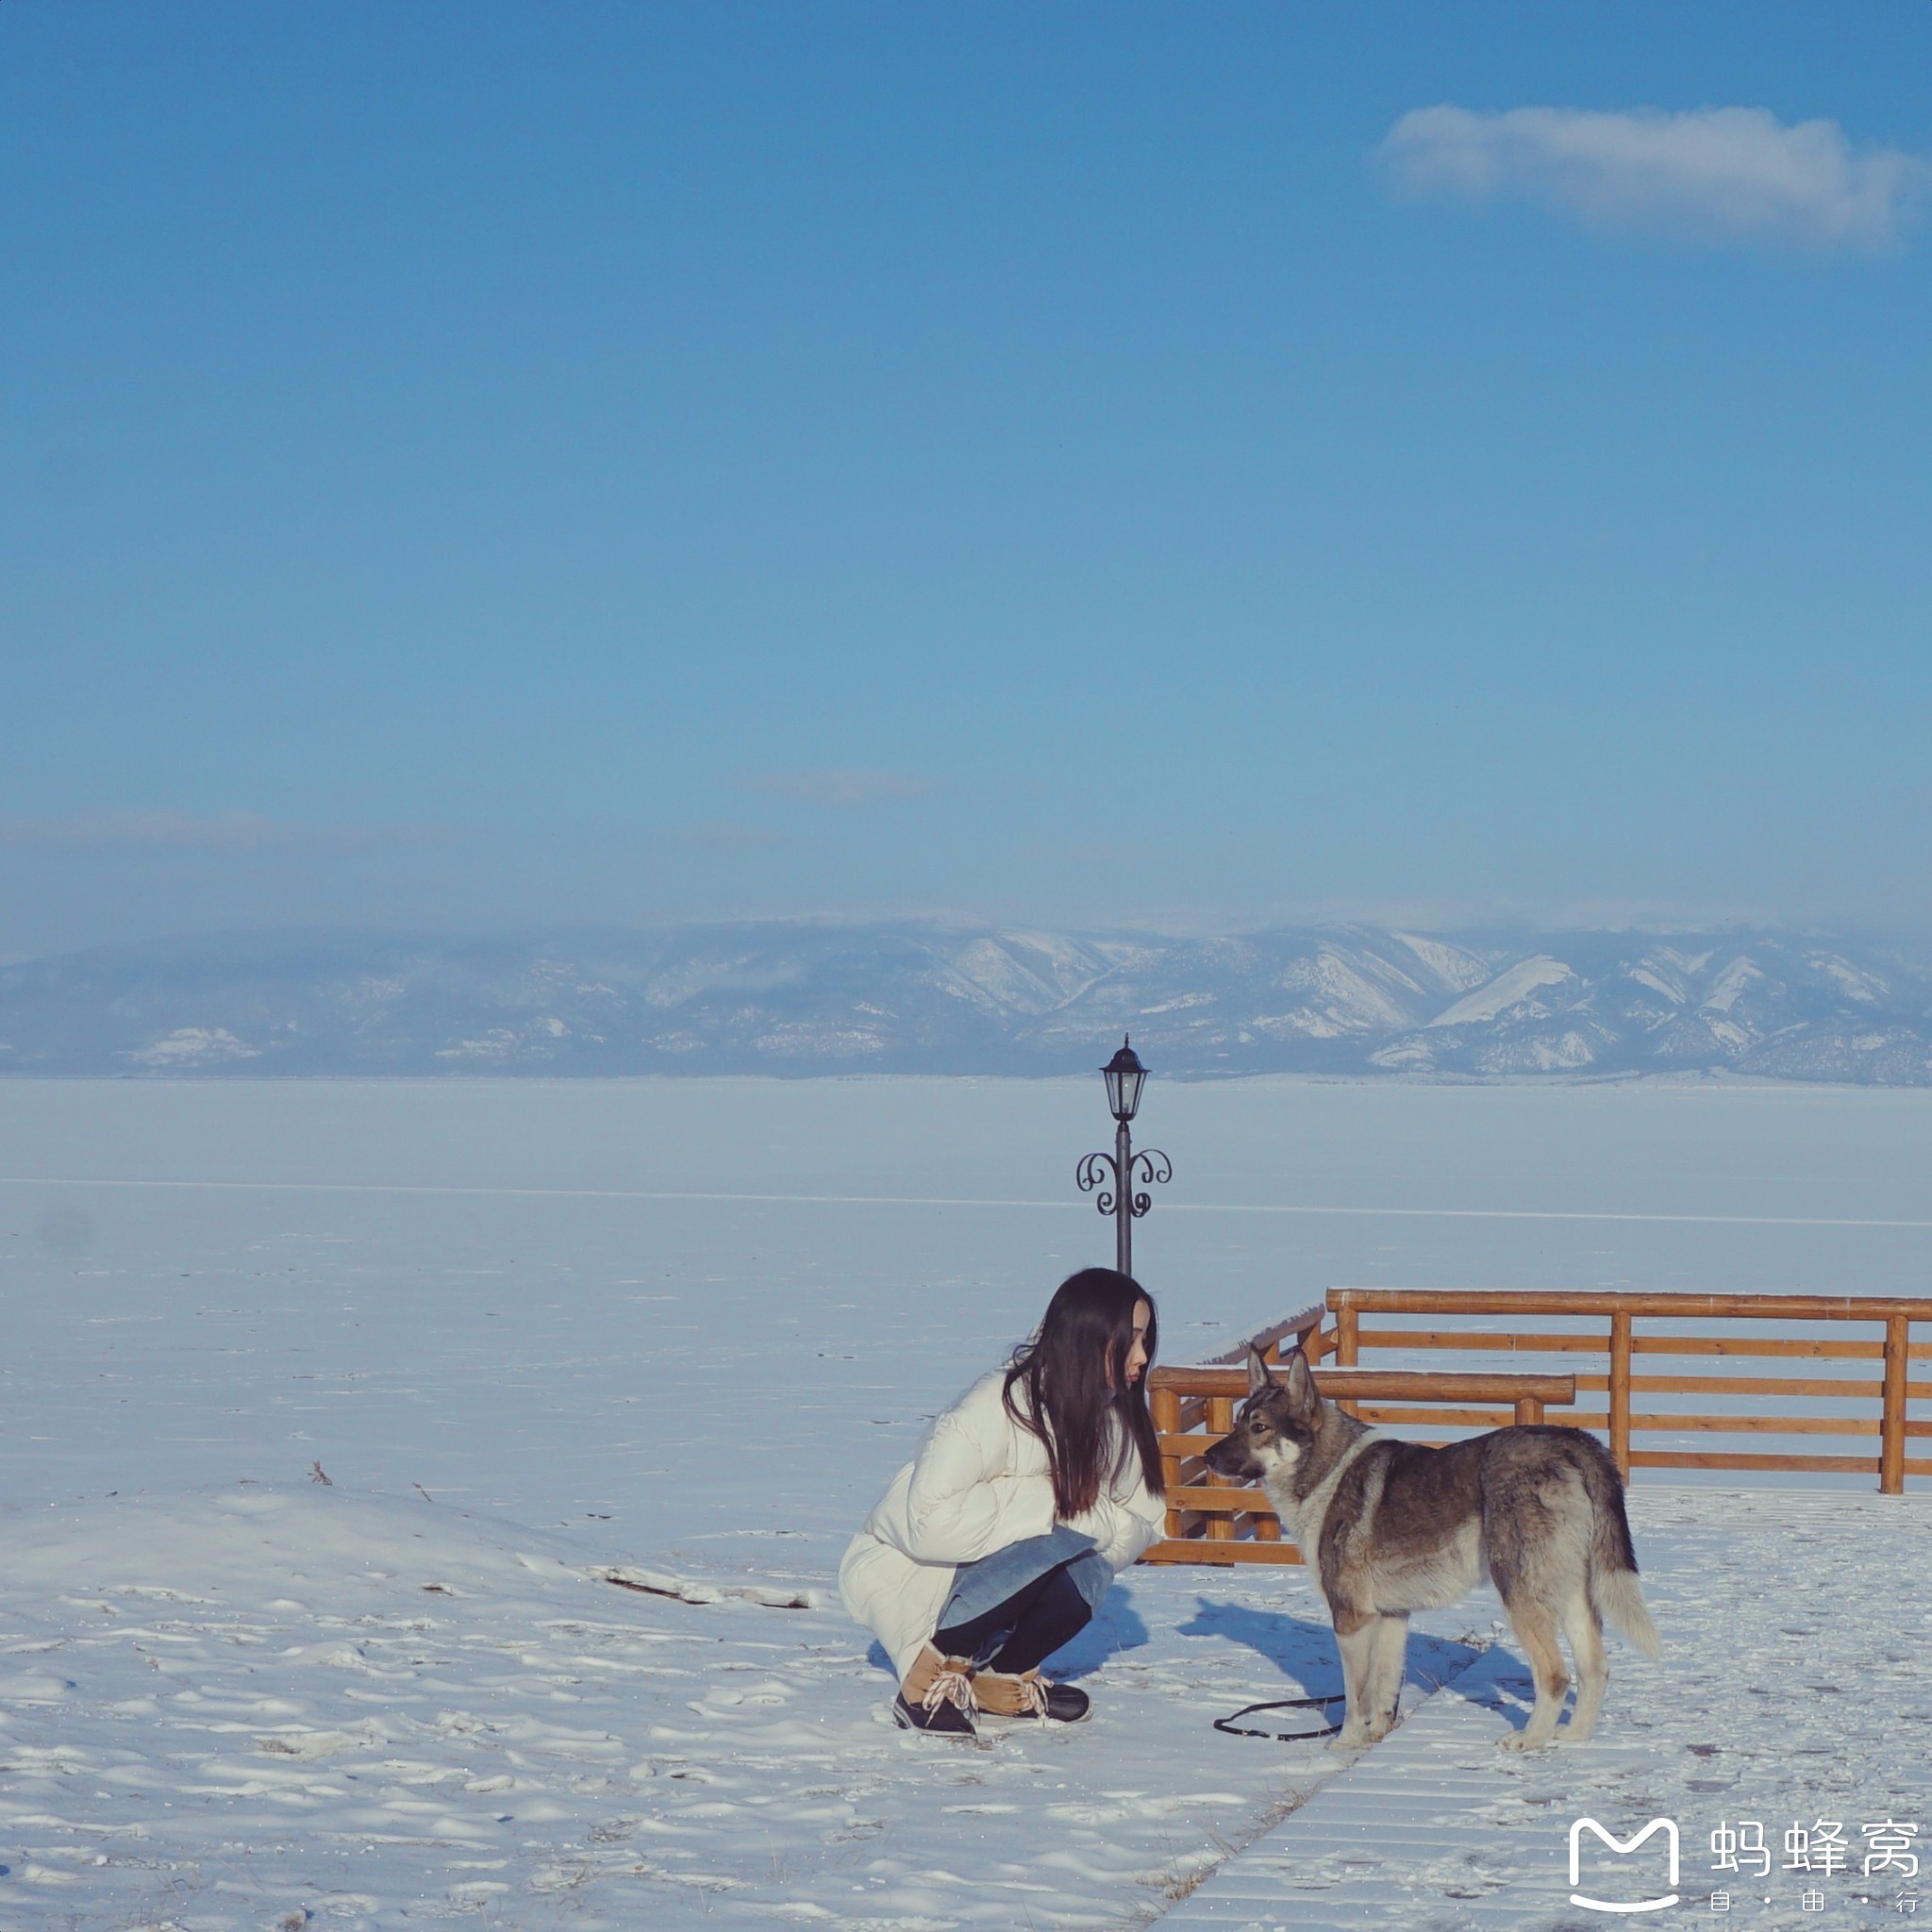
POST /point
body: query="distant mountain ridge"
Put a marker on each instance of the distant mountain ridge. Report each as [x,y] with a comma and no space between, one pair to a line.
[923,997]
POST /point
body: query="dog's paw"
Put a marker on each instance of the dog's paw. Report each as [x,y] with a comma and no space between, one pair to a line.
[1519,1741]
[1353,1738]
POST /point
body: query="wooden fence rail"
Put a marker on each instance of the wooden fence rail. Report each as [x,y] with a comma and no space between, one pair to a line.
[1620,1345]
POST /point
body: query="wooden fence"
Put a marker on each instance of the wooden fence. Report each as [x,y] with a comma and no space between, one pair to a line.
[1884,1399]
[1212,1521]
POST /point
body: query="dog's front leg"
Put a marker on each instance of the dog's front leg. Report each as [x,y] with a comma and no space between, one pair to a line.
[1355,1636]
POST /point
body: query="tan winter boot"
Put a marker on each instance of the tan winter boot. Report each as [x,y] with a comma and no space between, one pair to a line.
[936,1695]
[1001,1694]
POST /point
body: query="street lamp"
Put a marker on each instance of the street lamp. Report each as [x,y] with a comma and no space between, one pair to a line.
[1115,1174]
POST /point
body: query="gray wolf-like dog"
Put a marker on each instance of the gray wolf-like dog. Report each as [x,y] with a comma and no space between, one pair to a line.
[1389,1527]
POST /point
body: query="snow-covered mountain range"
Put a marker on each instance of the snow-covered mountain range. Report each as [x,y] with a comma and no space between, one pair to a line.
[809,998]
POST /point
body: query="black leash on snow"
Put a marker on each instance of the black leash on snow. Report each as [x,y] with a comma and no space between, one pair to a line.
[1235,1729]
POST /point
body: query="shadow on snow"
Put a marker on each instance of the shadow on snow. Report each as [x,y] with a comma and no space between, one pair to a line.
[1303,1649]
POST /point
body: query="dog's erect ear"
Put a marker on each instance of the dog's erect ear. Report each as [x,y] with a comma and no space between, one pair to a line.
[1303,1398]
[1259,1377]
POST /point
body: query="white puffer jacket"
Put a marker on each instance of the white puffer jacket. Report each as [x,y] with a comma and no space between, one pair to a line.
[978,1482]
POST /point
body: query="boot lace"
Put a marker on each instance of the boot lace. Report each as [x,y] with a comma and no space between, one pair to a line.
[952,1686]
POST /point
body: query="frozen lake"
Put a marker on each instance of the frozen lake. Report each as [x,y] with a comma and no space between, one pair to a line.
[587,1302]
[532,1328]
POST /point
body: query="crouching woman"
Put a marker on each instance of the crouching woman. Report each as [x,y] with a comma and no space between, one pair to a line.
[995,1543]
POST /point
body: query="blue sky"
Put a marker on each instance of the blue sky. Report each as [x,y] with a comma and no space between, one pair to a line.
[484,465]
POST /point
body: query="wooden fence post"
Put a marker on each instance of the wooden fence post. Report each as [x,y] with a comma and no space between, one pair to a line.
[1619,1392]
[1347,1346]
[1164,1408]
[1891,1423]
[1220,1422]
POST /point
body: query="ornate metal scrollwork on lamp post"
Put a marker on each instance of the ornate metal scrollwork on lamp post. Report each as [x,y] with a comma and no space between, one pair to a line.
[1116,1174]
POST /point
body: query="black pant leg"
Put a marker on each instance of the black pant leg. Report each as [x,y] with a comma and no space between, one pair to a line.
[1059,1614]
[979,1637]
[1030,1626]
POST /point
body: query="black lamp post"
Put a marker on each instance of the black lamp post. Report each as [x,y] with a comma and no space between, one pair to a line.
[1115,1174]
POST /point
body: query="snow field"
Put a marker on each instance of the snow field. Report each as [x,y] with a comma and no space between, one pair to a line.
[534,1331]
[259,1707]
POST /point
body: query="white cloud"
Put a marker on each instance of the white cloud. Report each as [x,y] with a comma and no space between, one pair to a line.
[1715,174]
[846,788]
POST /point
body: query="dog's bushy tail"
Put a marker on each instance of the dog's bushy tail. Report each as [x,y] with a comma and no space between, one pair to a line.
[1613,1587]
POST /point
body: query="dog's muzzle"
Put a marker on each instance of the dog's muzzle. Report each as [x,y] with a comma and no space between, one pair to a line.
[1231,1457]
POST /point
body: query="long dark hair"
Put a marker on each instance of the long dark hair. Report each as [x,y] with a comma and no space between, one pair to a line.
[1074,1372]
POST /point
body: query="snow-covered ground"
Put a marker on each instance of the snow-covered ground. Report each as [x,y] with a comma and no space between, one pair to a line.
[1794,1688]
[535,1331]
[229,1708]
